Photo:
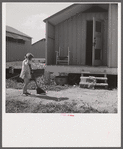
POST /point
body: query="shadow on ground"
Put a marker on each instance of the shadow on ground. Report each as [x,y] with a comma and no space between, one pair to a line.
[49,97]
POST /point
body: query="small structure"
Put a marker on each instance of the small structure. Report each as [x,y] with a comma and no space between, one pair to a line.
[38,49]
[91,33]
[17,44]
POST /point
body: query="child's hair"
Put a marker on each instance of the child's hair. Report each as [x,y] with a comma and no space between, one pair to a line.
[29,56]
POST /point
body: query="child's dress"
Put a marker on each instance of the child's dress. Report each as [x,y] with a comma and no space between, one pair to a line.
[25,72]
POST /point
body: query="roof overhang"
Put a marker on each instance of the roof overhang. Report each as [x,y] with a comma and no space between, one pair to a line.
[71,11]
[15,36]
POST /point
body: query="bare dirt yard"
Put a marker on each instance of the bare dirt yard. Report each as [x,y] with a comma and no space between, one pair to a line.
[68,100]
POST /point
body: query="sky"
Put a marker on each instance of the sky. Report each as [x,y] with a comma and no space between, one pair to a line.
[28,17]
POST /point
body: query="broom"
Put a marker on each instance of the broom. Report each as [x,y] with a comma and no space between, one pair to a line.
[38,89]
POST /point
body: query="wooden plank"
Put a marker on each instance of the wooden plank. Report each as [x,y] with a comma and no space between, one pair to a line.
[56,38]
[105,40]
[83,39]
[109,36]
[77,32]
[46,48]
[60,39]
[65,39]
[71,40]
[79,39]
[101,84]
[74,40]
[51,44]
[114,39]
[101,78]
[51,31]
[68,25]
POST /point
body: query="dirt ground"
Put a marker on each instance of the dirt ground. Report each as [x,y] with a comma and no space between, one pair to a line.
[70,100]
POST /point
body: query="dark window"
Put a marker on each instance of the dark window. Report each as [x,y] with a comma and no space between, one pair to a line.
[11,39]
[15,40]
[98,26]
[97,54]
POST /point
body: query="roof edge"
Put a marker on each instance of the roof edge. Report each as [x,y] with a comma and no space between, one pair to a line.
[72,5]
[58,12]
[39,41]
[19,34]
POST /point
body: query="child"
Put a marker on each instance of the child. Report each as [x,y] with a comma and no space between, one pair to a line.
[26,72]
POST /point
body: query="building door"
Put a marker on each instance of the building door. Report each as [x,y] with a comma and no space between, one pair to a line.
[97,42]
[89,42]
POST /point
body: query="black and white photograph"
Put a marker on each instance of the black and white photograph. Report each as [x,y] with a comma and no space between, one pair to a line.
[64,59]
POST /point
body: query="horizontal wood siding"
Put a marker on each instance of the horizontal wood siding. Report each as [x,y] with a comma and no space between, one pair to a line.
[50,37]
[16,51]
[72,33]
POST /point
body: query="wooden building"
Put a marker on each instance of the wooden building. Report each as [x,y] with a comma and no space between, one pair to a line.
[17,44]
[90,31]
[38,49]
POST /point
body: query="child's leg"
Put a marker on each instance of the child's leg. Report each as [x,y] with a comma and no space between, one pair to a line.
[26,82]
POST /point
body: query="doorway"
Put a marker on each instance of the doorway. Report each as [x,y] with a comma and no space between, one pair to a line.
[94,42]
[89,42]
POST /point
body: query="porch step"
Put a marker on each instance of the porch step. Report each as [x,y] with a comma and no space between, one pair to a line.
[101,84]
[101,78]
[97,78]
[87,81]
[99,73]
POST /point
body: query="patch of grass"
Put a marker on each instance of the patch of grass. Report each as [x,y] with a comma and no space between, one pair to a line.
[14,106]
[55,108]
[66,107]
